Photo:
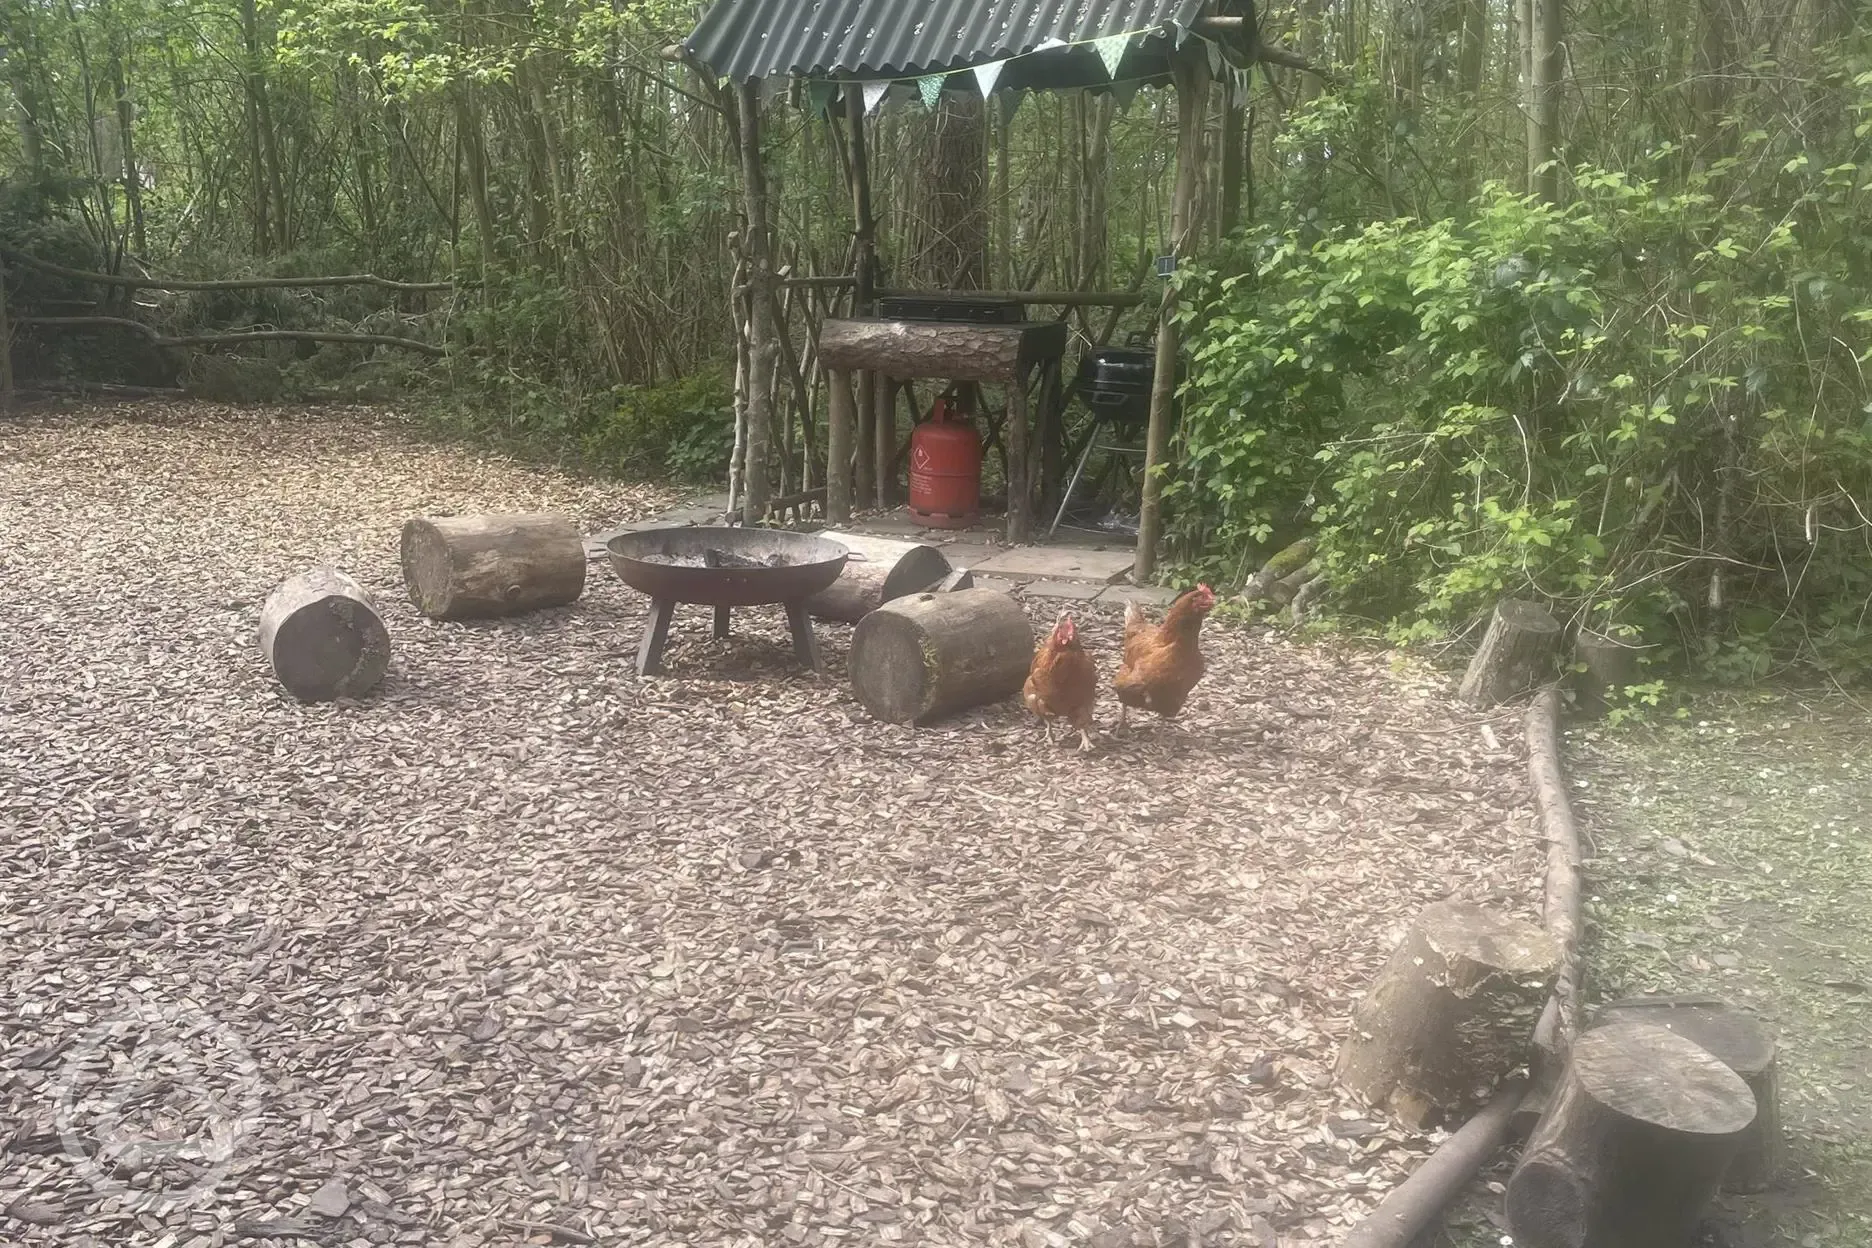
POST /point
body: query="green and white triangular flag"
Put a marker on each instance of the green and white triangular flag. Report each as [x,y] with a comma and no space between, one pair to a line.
[873,93]
[930,88]
[987,75]
[1111,50]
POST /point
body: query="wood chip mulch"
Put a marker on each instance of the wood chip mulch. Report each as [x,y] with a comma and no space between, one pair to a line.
[522,949]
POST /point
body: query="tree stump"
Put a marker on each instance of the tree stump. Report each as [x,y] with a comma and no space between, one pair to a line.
[1633,1146]
[1739,1041]
[878,572]
[1450,1014]
[1606,664]
[929,655]
[323,637]
[1516,654]
[476,567]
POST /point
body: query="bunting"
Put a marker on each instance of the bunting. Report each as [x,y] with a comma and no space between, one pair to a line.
[986,76]
[930,88]
[874,93]
[1111,50]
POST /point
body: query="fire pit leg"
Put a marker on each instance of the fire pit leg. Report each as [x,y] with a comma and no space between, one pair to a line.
[721,623]
[804,648]
[656,632]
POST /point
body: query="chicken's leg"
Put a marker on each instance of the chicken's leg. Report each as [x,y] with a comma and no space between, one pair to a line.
[1048,725]
[1085,742]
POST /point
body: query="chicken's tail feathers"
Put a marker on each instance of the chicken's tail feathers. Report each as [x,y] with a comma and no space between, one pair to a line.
[1134,618]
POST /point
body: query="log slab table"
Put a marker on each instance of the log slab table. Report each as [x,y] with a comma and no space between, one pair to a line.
[899,351]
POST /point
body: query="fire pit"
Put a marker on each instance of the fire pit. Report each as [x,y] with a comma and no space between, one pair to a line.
[724,568]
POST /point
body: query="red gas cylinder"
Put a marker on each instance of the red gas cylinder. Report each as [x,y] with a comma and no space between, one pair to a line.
[945,470]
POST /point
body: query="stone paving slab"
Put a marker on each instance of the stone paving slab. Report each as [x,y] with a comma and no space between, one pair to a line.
[1060,563]
[1143,595]
[1066,591]
[1000,583]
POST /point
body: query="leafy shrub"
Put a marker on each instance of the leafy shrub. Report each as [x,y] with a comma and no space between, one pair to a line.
[683,430]
[1646,408]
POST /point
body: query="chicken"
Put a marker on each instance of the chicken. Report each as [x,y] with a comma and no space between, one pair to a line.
[1162,662]
[1063,681]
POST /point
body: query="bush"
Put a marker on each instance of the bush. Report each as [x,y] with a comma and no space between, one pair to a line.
[1645,408]
[683,430]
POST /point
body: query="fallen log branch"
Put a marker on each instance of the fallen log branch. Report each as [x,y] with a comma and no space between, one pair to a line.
[1561,906]
[230,283]
[1419,1200]
[247,335]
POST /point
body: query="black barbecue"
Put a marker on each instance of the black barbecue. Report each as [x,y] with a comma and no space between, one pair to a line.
[1115,384]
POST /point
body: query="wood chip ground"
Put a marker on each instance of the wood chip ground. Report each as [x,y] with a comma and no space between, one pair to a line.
[522,949]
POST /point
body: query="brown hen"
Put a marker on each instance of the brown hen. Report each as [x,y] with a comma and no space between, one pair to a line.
[1063,681]
[1162,662]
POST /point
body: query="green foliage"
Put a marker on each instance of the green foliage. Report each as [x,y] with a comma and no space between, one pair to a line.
[682,431]
[1646,407]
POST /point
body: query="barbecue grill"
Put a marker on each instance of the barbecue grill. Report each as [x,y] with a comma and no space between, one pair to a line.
[1115,384]
[725,568]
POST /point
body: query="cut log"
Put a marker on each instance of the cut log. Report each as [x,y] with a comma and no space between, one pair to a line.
[1451,1013]
[957,350]
[879,571]
[1603,665]
[476,567]
[929,655]
[1634,1145]
[1739,1041]
[1516,654]
[322,636]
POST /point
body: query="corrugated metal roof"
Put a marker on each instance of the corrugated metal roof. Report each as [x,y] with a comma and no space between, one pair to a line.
[747,39]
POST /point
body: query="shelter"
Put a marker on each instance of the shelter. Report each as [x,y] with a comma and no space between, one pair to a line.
[856,53]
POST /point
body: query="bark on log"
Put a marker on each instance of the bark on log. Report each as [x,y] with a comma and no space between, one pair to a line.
[1739,1041]
[879,571]
[476,567]
[1414,1204]
[957,351]
[930,655]
[1634,1145]
[1516,654]
[1608,665]
[1450,1014]
[1561,909]
[322,636]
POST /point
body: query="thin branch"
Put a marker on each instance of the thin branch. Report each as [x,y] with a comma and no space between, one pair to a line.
[250,335]
[240,283]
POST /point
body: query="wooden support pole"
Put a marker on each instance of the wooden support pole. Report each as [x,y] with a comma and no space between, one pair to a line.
[1191,72]
[884,440]
[1234,152]
[762,348]
[6,348]
[841,424]
[1019,473]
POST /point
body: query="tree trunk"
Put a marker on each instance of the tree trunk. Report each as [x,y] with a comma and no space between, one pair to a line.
[1739,1041]
[1610,665]
[762,350]
[1516,654]
[476,567]
[1192,89]
[1452,1012]
[1634,1145]
[323,637]
[923,657]
[952,250]
[1548,61]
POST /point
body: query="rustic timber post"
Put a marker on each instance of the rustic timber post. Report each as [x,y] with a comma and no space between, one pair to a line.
[841,419]
[864,233]
[6,348]
[762,348]
[1191,71]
